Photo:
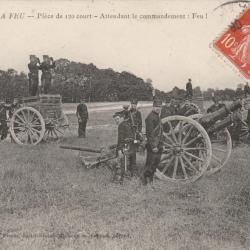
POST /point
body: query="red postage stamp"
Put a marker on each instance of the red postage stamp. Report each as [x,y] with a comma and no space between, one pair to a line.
[234,43]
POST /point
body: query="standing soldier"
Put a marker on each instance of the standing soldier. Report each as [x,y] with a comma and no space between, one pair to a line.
[135,116]
[125,144]
[170,108]
[246,90]
[189,89]
[46,66]
[3,120]
[154,146]
[135,119]
[33,66]
[82,116]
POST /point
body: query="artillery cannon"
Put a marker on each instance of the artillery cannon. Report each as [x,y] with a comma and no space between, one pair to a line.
[192,146]
[195,145]
[105,155]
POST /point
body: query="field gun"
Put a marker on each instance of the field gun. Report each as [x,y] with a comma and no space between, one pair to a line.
[105,155]
[192,146]
[196,145]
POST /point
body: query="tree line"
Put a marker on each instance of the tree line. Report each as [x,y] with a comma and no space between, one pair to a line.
[74,80]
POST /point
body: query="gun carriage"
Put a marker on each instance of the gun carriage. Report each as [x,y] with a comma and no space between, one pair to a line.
[192,146]
[38,118]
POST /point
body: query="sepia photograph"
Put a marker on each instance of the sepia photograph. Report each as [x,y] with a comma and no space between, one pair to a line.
[125,125]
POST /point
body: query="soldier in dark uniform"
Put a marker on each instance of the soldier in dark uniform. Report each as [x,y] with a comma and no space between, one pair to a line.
[135,119]
[216,105]
[189,89]
[135,116]
[3,120]
[170,108]
[82,116]
[154,146]
[46,78]
[246,90]
[33,66]
[125,144]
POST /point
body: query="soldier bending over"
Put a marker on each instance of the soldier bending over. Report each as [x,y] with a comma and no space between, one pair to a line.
[125,145]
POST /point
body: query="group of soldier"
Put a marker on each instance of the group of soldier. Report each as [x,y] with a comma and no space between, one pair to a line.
[34,66]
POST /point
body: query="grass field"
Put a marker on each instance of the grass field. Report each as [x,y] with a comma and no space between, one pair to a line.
[48,201]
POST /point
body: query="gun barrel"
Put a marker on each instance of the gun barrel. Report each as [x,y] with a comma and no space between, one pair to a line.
[80,149]
[210,119]
[91,150]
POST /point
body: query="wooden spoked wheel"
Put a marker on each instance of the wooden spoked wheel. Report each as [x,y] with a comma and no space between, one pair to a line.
[221,148]
[27,126]
[56,128]
[187,150]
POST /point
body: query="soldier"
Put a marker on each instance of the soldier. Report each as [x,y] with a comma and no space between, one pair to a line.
[154,146]
[33,66]
[246,90]
[135,118]
[189,89]
[3,120]
[82,116]
[46,66]
[170,108]
[125,144]
[15,105]
[216,105]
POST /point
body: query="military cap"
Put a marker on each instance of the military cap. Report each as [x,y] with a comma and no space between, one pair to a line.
[134,101]
[45,56]
[157,103]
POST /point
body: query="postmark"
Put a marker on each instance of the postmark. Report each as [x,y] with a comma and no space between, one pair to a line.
[234,43]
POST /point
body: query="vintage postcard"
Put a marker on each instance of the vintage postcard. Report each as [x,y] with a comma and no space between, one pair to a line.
[125,124]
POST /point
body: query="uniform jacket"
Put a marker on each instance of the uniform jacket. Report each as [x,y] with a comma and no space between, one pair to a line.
[154,130]
[82,111]
[33,68]
[125,134]
[3,109]
[46,69]
[168,110]
[136,120]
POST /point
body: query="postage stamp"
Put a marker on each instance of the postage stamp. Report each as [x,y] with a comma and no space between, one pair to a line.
[234,43]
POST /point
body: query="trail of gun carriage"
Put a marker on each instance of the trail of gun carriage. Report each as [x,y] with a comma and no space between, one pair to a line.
[59,187]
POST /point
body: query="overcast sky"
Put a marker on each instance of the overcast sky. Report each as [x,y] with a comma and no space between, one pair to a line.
[168,51]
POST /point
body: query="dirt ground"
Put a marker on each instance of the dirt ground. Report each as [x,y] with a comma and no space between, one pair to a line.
[49,201]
